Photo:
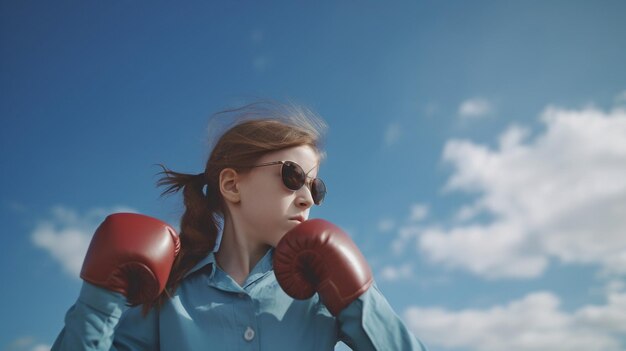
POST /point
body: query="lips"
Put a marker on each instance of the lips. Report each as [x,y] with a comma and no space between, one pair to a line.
[297,218]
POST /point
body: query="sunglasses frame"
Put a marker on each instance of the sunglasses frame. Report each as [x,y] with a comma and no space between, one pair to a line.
[283,163]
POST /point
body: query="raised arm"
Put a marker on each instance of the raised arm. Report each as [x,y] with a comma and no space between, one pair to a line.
[127,264]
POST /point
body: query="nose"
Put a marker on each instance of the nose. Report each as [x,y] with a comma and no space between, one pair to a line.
[304,198]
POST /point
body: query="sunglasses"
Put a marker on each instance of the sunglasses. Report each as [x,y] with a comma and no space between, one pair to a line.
[294,178]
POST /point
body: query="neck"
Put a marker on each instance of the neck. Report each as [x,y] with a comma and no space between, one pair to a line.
[238,253]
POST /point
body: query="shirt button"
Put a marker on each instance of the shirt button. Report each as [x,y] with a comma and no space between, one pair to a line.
[249,334]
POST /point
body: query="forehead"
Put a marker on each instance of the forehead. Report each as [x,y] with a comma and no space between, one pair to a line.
[303,155]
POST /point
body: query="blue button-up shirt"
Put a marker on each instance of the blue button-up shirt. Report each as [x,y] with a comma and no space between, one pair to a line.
[210,311]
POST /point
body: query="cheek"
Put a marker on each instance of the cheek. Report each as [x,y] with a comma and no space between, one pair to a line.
[265,201]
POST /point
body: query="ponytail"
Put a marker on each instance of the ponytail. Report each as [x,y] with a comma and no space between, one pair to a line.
[199,225]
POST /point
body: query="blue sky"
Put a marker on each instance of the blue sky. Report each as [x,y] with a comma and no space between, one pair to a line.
[476,150]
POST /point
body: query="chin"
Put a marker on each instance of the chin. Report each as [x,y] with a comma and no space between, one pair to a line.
[275,242]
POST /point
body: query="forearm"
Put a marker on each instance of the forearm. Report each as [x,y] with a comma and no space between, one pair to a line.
[90,324]
[369,323]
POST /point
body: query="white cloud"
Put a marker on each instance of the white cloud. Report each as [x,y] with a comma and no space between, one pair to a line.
[22,342]
[392,134]
[406,235]
[27,343]
[561,194]
[475,108]
[418,212]
[394,273]
[493,251]
[67,234]
[535,322]
[385,225]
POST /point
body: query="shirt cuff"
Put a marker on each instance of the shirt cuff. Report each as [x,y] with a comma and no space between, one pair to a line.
[105,301]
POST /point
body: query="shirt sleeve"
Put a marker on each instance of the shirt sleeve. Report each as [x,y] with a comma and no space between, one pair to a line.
[101,320]
[369,323]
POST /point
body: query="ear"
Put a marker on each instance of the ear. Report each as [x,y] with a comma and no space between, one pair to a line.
[228,185]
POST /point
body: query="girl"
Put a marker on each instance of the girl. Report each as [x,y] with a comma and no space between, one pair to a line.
[260,181]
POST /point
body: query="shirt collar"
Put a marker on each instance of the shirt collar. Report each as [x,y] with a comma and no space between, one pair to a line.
[265,264]
[262,267]
[208,260]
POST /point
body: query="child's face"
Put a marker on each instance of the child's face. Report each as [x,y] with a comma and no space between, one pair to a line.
[267,205]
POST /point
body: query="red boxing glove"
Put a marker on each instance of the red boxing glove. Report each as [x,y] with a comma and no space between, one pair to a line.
[318,256]
[131,254]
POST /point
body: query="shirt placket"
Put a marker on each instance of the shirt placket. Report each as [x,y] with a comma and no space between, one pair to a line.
[247,324]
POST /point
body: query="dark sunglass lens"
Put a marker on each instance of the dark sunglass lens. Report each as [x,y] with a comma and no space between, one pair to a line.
[318,191]
[293,175]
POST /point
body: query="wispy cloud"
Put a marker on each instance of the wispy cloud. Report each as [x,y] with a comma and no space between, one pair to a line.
[257,36]
[66,235]
[395,273]
[392,134]
[560,194]
[534,322]
[386,225]
[475,108]
[261,63]
[418,212]
[405,237]
[27,343]
[16,207]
